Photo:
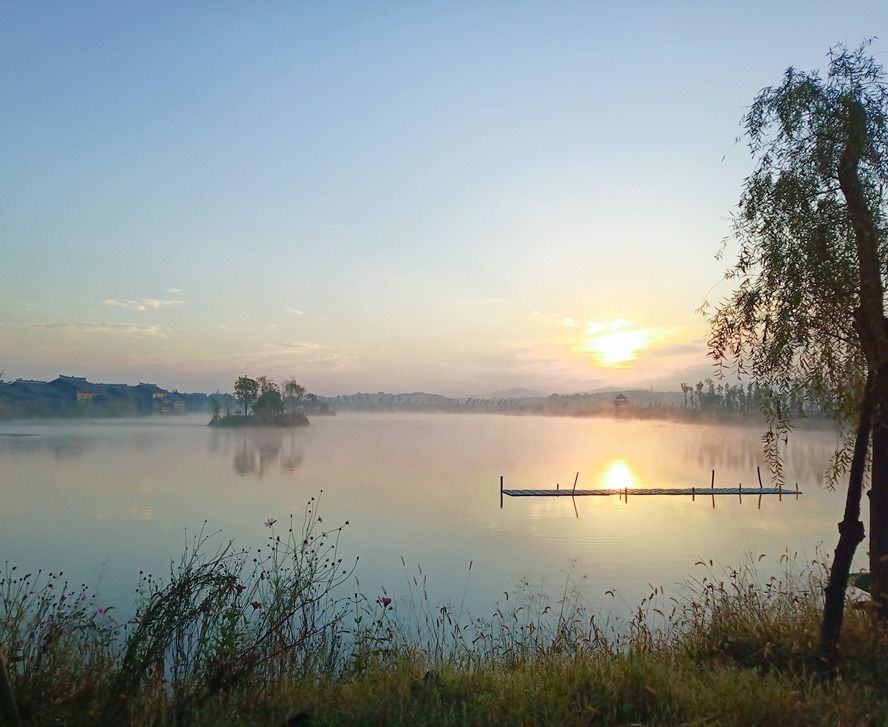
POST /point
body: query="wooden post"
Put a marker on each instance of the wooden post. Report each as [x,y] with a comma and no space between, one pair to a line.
[501,492]
[575,482]
[740,492]
[758,471]
[626,494]
[693,494]
[779,492]
[712,483]
[797,490]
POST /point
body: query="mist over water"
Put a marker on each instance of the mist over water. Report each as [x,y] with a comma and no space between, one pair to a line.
[103,500]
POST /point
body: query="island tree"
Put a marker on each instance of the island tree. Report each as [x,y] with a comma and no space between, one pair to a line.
[807,315]
[247,390]
[269,403]
[294,393]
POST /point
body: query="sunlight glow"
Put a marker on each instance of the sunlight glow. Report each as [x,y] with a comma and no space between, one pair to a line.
[618,476]
[613,349]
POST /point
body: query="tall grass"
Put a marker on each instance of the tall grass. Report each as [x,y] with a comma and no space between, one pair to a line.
[233,637]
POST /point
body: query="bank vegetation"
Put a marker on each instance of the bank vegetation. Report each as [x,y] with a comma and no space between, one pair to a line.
[286,635]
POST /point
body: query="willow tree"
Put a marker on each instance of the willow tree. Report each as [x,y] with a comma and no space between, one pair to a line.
[807,315]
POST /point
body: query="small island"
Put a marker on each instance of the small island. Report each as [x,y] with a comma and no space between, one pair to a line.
[269,404]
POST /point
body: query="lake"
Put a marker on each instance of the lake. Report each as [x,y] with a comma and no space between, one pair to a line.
[102,500]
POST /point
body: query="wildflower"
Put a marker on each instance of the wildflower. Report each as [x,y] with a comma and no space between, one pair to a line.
[48,619]
[240,588]
[271,521]
[255,605]
[62,599]
[103,611]
[385,601]
[83,598]
[64,631]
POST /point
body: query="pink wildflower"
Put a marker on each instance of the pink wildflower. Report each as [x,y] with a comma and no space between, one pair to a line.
[48,619]
[271,521]
[255,605]
[83,598]
[385,601]
[240,588]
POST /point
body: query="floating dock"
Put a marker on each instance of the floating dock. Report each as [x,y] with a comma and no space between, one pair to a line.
[654,491]
[624,492]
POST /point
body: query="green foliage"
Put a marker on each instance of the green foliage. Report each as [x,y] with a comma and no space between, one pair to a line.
[294,393]
[790,321]
[58,641]
[247,390]
[268,404]
[268,409]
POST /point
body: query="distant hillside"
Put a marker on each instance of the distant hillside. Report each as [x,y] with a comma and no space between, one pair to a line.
[572,404]
[381,401]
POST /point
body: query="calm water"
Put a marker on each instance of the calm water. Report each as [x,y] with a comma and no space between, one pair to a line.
[104,500]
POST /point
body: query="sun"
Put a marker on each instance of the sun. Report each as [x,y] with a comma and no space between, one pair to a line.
[618,476]
[613,349]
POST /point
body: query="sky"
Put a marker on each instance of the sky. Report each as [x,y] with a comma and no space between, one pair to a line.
[460,198]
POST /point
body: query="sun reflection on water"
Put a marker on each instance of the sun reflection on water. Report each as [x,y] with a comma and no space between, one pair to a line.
[618,476]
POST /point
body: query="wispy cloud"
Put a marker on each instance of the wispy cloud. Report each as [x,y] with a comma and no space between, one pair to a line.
[140,303]
[295,311]
[90,327]
[554,318]
[174,290]
[303,354]
[293,347]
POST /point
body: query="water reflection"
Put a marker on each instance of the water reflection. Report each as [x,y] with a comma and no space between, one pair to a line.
[420,486]
[65,447]
[741,449]
[259,452]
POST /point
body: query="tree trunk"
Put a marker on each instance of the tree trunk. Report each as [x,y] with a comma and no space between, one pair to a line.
[850,536]
[870,324]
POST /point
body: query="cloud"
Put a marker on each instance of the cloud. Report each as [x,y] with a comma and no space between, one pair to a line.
[91,327]
[291,347]
[540,317]
[140,304]
[174,290]
[593,328]
[295,311]
[304,354]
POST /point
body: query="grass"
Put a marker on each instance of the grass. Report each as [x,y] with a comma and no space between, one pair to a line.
[253,638]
